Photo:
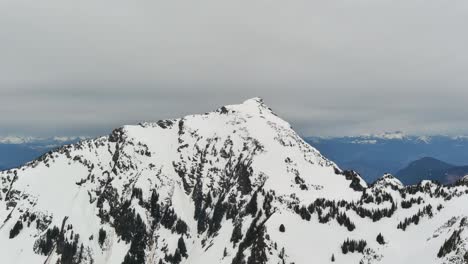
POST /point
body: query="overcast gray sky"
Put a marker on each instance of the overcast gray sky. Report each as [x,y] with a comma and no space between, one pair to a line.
[334,67]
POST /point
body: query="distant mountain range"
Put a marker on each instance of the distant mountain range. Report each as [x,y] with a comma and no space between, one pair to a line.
[374,155]
[431,169]
[15,151]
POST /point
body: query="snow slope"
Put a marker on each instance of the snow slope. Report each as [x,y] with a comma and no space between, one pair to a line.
[236,185]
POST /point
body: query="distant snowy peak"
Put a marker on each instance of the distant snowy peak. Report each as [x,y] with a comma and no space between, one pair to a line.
[387,135]
[424,139]
[17,140]
[392,136]
[460,138]
[397,135]
[371,139]
[68,138]
[364,141]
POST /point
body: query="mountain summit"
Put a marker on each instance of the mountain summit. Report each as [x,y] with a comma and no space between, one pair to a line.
[235,186]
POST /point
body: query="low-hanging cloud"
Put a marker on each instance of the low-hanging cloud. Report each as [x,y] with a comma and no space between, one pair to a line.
[334,67]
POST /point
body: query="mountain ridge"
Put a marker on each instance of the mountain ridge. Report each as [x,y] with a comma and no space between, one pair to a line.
[429,168]
[374,156]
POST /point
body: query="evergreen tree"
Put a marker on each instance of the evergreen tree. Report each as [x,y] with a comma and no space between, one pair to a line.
[251,207]
[344,248]
[450,244]
[380,239]
[155,207]
[282,229]
[218,215]
[80,255]
[68,249]
[46,243]
[16,229]
[258,249]
[181,246]
[177,257]
[237,233]
[353,246]
[243,172]
[169,218]
[136,254]
[102,236]
[181,227]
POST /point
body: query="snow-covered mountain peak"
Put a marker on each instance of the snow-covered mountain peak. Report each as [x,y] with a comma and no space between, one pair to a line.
[253,106]
[232,186]
[195,177]
[255,101]
[251,131]
[250,109]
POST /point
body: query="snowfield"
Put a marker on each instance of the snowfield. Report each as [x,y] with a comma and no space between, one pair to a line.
[236,185]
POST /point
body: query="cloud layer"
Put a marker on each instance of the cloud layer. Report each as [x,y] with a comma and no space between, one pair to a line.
[334,67]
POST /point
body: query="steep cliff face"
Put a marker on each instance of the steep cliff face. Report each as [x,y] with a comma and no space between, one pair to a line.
[237,185]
